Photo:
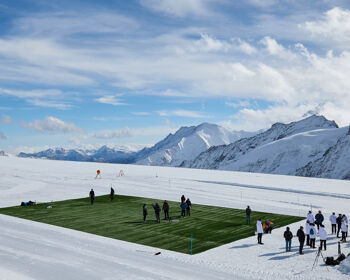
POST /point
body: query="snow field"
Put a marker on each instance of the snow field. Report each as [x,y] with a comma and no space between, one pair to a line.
[30,250]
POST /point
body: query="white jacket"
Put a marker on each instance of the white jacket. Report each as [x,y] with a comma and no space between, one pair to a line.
[333,219]
[345,219]
[307,228]
[313,235]
[310,218]
[322,233]
[344,228]
[259,228]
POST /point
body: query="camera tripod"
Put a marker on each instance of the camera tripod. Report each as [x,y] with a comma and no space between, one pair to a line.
[318,254]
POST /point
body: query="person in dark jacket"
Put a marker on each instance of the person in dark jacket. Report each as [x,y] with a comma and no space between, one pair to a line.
[183,199]
[301,237]
[145,212]
[112,194]
[166,210]
[183,209]
[189,206]
[156,208]
[288,236]
[339,218]
[92,196]
[248,211]
[319,219]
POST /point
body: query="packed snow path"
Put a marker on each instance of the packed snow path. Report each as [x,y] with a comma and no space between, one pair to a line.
[30,250]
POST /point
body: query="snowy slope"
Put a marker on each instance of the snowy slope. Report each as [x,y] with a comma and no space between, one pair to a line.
[30,250]
[334,163]
[282,149]
[186,144]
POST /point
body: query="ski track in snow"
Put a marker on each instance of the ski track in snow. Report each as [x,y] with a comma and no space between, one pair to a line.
[32,250]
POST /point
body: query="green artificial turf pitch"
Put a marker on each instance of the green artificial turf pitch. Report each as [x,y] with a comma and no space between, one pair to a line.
[123,219]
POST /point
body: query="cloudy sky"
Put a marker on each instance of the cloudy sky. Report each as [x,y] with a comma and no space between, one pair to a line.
[77,73]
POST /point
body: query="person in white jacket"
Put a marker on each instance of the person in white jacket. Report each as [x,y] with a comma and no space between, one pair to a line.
[259,230]
[322,233]
[333,220]
[347,224]
[310,217]
[344,229]
[312,235]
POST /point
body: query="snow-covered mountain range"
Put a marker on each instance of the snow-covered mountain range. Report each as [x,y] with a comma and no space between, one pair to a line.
[313,147]
[186,144]
[103,154]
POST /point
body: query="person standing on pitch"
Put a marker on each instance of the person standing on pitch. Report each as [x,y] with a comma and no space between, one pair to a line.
[92,196]
[189,206]
[312,235]
[319,219]
[301,237]
[259,230]
[157,212]
[322,233]
[339,220]
[248,211]
[166,210]
[112,194]
[145,212]
[333,220]
[288,236]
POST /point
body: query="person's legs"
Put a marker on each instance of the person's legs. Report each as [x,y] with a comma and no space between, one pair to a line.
[144,218]
[260,238]
[334,228]
[286,245]
[308,240]
[339,226]
[301,245]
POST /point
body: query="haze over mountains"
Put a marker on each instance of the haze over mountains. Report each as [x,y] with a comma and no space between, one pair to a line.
[313,147]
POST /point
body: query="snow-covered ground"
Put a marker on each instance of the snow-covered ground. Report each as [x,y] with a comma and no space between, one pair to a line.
[30,250]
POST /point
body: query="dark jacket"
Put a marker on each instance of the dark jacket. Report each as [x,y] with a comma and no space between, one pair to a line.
[165,206]
[301,235]
[112,191]
[189,204]
[145,213]
[288,235]
[156,208]
[339,220]
[183,206]
[248,211]
[92,194]
[319,218]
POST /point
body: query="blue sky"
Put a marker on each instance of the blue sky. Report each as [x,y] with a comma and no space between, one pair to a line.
[87,73]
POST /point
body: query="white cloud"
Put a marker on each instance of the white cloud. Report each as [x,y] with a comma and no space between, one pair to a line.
[52,124]
[110,99]
[244,46]
[183,113]
[31,93]
[241,103]
[179,8]
[2,136]
[334,25]
[50,104]
[5,120]
[109,134]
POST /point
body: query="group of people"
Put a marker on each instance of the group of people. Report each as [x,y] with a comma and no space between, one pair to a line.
[339,224]
[310,233]
[185,206]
